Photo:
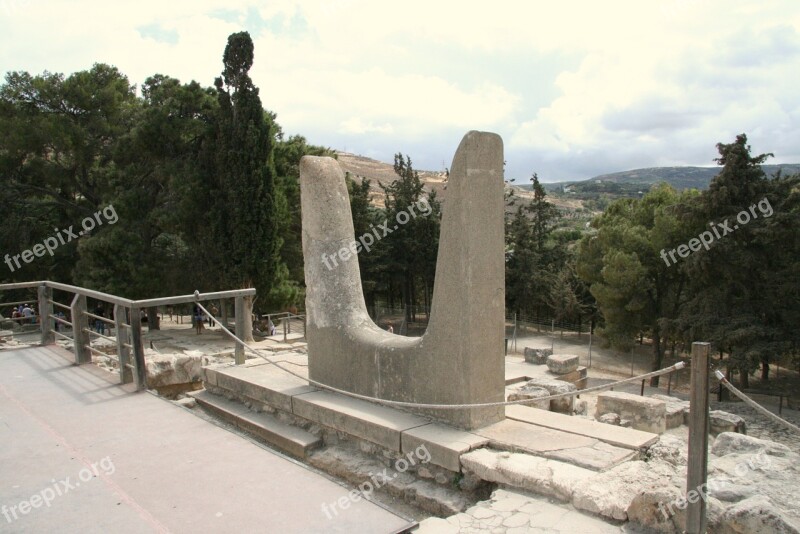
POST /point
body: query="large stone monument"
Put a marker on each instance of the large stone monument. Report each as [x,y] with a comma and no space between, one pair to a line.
[459,359]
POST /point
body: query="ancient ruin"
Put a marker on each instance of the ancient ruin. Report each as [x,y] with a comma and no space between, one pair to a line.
[459,360]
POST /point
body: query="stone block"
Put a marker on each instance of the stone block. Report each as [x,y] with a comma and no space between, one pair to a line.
[644,413]
[610,418]
[537,355]
[562,364]
[677,410]
[720,422]
[531,392]
[444,444]
[627,438]
[579,377]
[554,387]
[376,424]
[530,473]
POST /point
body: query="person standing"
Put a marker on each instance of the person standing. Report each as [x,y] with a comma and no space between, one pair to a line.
[27,312]
[213,313]
[197,317]
[99,325]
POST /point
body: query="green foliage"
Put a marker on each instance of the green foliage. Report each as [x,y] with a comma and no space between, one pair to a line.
[635,290]
[534,259]
[745,288]
[57,138]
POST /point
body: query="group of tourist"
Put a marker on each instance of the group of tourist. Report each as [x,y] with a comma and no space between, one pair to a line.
[25,314]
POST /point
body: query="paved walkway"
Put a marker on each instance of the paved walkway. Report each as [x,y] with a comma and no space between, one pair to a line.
[79,453]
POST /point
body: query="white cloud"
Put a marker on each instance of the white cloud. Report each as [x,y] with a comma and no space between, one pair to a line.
[644,83]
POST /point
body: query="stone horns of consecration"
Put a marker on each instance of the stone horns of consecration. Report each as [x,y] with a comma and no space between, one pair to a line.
[459,359]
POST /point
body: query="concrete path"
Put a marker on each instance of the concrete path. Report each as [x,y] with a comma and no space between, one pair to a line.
[79,453]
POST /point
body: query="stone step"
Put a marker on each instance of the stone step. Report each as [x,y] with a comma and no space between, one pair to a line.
[393,429]
[290,439]
[627,438]
[522,437]
[551,478]
[378,424]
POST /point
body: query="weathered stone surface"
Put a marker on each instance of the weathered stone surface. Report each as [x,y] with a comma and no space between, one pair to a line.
[531,392]
[720,422]
[599,456]
[555,387]
[743,464]
[371,422]
[610,418]
[169,369]
[460,358]
[562,364]
[509,512]
[537,355]
[650,508]
[677,410]
[669,449]
[359,469]
[611,493]
[626,438]
[757,514]
[515,436]
[644,413]
[444,444]
[734,443]
[727,491]
[526,472]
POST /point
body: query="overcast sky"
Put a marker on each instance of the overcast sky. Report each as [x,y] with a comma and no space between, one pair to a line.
[575,88]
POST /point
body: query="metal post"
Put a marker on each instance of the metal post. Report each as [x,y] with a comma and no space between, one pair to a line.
[285,319]
[642,393]
[125,374]
[590,347]
[140,371]
[45,311]
[238,351]
[80,323]
[697,471]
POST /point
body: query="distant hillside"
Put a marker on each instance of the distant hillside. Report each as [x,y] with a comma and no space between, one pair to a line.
[379,172]
[679,177]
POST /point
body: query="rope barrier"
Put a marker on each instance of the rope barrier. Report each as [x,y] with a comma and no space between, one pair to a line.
[387,402]
[753,404]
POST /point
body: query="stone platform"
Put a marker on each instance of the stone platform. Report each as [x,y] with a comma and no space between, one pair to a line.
[263,387]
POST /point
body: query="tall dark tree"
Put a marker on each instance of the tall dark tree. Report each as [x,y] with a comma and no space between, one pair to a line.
[143,255]
[243,217]
[410,243]
[533,259]
[57,138]
[745,286]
